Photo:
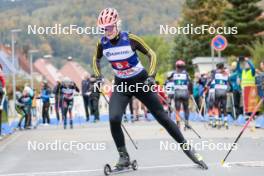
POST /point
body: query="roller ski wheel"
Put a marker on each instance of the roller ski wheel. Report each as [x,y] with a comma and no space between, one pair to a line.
[107,169]
[133,166]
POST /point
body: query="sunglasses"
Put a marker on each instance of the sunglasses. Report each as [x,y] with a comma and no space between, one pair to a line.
[109,28]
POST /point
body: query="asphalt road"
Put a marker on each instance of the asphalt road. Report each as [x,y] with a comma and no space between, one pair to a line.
[46,151]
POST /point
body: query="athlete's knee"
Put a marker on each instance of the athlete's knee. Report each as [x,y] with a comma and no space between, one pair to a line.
[115,118]
[162,117]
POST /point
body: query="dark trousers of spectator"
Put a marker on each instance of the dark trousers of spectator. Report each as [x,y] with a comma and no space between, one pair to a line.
[237,96]
[45,112]
[26,114]
[86,103]
[94,107]
[57,108]
[197,101]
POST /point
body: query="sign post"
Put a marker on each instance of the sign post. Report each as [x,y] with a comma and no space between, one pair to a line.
[218,43]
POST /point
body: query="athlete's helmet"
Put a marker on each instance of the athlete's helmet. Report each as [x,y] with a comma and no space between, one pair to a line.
[220,65]
[107,17]
[180,63]
[66,81]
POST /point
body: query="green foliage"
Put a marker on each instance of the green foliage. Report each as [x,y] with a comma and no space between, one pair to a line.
[162,48]
[244,15]
[198,13]
[139,17]
[257,52]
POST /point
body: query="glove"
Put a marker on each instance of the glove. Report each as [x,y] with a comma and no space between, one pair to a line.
[100,80]
[150,81]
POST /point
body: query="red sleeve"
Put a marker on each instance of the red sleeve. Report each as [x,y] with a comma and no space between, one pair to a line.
[162,95]
[2,79]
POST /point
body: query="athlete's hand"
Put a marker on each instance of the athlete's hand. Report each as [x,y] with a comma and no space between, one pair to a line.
[100,80]
[149,81]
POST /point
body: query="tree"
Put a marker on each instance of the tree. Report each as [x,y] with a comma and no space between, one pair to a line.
[243,14]
[257,52]
[162,48]
[197,13]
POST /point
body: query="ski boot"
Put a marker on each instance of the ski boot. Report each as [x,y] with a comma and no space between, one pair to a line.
[210,122]
[124,160]
[125,119]
[65,123]
[71,124]
[186,125]
[178,124]
[218,123]
[226,124]
[195,157]
[214,123]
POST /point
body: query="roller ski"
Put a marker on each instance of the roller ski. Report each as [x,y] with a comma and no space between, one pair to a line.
[195,157]
[108,170]
[124,164]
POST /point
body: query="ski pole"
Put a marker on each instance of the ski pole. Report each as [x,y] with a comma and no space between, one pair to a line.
[122,125]
[243,129]
[163,99]
[189,126]
[233,103]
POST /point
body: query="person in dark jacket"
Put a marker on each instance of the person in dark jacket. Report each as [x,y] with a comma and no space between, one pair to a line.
[58,98]
[85,89]
[45,96]
[94,93]
[23,107]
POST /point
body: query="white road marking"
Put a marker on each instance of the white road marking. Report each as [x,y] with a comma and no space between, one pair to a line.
[140,168]
[101,170]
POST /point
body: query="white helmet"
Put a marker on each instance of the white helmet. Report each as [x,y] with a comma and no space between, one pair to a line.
[67,81]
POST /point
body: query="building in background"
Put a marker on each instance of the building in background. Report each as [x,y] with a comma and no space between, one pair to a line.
[206,64]
[47,71]
[74,71]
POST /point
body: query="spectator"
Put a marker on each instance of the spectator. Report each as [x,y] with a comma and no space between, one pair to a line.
[85,89]
[23,107]
[34,106]
[29,93]
[248,73]
[196,86]
[234,80]
[58,98]
[94,95]
[260,79]
[2,94]
[45,96]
